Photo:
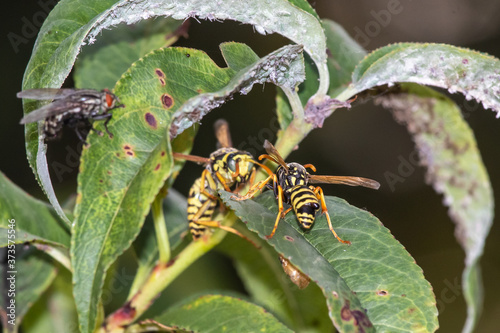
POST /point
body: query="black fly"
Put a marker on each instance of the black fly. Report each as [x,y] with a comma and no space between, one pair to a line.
[72,107]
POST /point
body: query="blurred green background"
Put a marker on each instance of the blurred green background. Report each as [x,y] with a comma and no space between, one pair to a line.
[363,141]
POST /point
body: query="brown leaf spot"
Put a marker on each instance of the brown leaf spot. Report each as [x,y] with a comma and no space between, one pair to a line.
[161,76]
[151,120]
[188,55]
[163,153]
[465,61]
[157,167]
[167,101]
[382,292]
[109,172]
[335,294]
[359,318]
[160,73]
[100,180]
[128,150]
[289,238]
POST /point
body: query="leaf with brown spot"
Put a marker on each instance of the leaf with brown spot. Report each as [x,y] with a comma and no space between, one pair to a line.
[349,276]
[232,315]
[134,164]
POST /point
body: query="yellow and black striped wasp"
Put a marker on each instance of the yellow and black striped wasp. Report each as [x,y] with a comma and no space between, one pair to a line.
[227,167]
[291,186]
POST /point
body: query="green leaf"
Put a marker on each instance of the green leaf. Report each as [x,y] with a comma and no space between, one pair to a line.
[372,282]
[221,314]
[32,220]
[448,150]
[344,54]
[99,66]
[283,67]
[471,73]
[55,310]
[73,23]
[22,287]
[264,279]
[120,177]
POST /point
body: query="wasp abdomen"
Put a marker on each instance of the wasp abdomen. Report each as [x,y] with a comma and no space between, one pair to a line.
[305,204]
[196,202]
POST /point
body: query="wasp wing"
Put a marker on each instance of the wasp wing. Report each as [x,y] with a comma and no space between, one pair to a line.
[192,158]
[46,93]
[221,128]
[344,180]
[274,154]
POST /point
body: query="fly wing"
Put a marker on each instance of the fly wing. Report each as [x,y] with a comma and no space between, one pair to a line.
[344,180]
[57,107]
[274,154]
[221,128]
[46,93]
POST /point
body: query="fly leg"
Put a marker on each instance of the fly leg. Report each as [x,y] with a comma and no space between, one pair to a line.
[106,116]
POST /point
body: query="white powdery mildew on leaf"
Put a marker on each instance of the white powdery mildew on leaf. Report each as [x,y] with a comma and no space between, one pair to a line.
[475,75]
[284,68]
[268,16]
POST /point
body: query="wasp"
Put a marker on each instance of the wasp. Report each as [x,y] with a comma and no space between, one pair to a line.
[228,168]
[72,107]
[291,185]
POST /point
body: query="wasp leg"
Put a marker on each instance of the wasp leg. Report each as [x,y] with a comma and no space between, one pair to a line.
[256,187]
[319,194]
[205,176]
[222,181]
[286,212]
[310,166]
[194,224]
[217,224]
[280,211]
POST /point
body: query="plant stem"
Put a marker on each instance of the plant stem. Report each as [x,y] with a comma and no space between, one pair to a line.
[295,103]
[161,276]
[58,254]
[292,136]
[346,94]
[161,228]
